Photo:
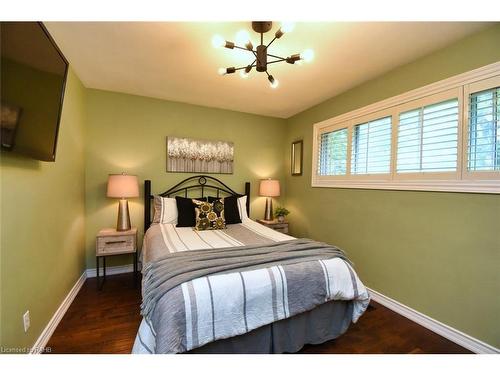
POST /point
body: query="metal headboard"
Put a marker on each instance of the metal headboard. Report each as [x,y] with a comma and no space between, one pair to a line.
[199,182]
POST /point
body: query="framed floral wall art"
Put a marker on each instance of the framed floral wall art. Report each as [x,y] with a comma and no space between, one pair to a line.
[197,155]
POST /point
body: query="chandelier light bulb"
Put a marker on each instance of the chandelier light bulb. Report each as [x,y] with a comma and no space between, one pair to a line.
[273,82]
[218,41]
[221,71]
[245,72]
[307,55]
[287,27]
[242,37]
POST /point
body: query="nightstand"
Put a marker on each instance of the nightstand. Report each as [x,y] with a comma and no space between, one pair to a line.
[110,242]
[275,224]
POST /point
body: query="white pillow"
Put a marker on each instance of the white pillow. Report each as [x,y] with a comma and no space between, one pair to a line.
[165,210]
[242,207]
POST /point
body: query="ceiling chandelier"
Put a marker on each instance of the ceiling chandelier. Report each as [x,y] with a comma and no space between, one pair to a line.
[261,56]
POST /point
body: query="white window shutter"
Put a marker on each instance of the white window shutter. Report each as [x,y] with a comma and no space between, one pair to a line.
[484,131]
[371,147]
[333,153]
[428,138]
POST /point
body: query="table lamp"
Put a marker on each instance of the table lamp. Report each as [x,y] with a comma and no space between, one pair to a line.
[269,189]
[122,186]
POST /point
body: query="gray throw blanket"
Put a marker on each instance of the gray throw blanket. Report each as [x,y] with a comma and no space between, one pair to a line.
[174,269]
[196,297]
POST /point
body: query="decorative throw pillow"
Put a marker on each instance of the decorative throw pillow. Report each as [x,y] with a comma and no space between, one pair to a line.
[165,210]
[231,212]
[185,211]
[209,216]
[242,207]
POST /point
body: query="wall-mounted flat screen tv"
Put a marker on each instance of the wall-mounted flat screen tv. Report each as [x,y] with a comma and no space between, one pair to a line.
[33,76]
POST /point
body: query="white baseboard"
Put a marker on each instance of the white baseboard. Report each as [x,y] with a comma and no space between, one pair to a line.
[51,326]
[91,272]
[452,334]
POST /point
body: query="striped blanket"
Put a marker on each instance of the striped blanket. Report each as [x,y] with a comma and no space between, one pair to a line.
[163,239]
[190,301]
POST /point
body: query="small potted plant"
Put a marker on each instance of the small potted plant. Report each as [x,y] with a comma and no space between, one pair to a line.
[280,213]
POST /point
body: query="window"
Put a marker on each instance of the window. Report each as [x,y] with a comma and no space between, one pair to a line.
[484,131]
[428,138]
[371,147]
[333,153]
[441,137]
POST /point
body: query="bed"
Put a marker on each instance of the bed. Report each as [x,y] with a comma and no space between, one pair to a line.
[242,289]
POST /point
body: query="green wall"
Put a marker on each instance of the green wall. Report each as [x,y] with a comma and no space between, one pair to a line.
[42,226]
[128,133]
[438,253]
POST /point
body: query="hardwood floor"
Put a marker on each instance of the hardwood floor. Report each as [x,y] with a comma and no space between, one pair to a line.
[104,321]
[382,331]
[107,321]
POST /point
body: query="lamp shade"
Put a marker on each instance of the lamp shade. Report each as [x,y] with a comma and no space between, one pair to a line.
[269,188]
[122,186]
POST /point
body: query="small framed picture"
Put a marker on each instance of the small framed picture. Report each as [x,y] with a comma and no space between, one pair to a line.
[296,158]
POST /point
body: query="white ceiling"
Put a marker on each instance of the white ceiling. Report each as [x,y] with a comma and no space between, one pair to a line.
[176,60]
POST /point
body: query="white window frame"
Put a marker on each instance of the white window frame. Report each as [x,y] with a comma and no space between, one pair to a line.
[470,89]
[462,180]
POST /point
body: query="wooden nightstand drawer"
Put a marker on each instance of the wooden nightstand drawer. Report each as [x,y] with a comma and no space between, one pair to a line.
[111,242]
[283,228]
[115,244]
[276,225]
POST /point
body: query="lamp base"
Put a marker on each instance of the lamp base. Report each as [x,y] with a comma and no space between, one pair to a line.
[268,213]
[123,222]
